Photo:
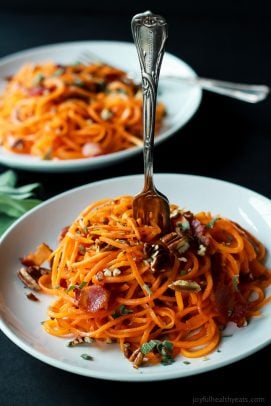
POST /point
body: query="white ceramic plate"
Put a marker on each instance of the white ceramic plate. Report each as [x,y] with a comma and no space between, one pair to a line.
[181,100]
[21,318]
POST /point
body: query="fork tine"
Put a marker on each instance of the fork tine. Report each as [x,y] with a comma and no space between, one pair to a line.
[87,57]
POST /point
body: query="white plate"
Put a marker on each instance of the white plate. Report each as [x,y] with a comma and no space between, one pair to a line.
[21,318]
[181,100]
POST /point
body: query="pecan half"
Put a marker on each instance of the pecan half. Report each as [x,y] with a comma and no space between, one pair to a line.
[30,276]
[32,297]
[185,286]
[137,358]
[176,242]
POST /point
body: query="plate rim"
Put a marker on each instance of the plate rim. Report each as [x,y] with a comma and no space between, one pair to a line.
[156,376]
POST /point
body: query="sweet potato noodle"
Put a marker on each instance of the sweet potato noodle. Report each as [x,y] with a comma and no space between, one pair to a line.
[115,279]
[68,112]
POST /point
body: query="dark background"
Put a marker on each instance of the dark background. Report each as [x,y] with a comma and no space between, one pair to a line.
[226,139]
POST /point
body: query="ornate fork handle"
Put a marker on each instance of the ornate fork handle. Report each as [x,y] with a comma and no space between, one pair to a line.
[150,34]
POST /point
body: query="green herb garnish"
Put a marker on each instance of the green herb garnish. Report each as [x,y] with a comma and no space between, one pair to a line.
[80,286]
[212,222]
[38,79]
[86,357]
[71,287]
[235,281]
[164,348]
[147,289]
[122,311]
[184,225]
[149,346]
[59,72]
[48,155]
[78,82]
[82,249]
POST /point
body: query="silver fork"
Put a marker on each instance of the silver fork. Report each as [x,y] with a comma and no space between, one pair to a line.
[241,91]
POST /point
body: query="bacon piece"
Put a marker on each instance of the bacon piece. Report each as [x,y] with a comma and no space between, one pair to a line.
[62,233]
[93,298]
[199,232]
[36,91]
[37,258]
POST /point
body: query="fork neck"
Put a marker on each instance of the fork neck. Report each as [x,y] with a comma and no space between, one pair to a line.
[149,103]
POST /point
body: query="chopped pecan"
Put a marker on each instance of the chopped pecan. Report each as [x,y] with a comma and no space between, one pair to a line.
[30,275]
[174,213]
[127,350]
[176,242]
[80,340]
[32,297]
[27,279]
[134,354]
[158,255]
[185,286]
[137,358]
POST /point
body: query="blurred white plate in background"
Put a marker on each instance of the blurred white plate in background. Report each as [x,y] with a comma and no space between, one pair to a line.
[181,100]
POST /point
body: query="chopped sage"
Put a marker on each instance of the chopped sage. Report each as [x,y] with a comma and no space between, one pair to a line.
[87,357]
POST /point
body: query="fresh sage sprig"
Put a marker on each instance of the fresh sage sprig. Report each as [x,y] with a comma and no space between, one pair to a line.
[14,201]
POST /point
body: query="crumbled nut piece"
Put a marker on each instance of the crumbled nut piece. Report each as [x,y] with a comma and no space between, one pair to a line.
[116,272]
[106,114]
[30,276]
[99,276]
[182,259]
[174,213]
[107,272]
[202,250]
[88,340]
[32,297]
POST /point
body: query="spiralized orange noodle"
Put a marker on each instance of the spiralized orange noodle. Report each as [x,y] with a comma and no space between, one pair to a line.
[118,280]
[69,112]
